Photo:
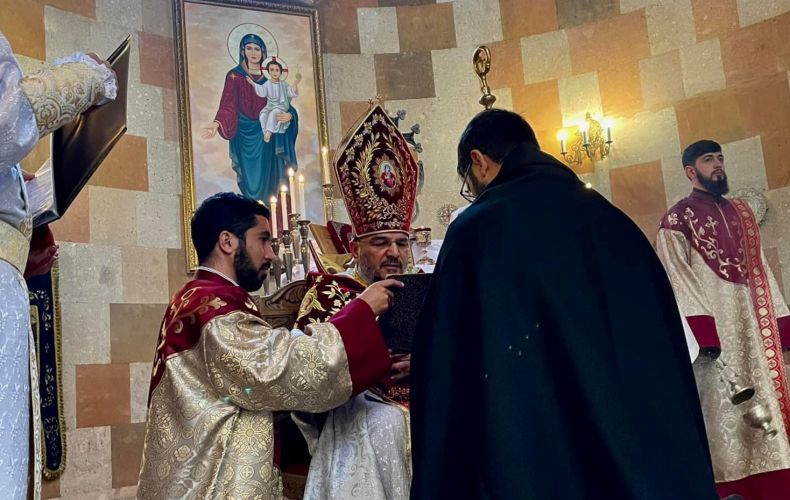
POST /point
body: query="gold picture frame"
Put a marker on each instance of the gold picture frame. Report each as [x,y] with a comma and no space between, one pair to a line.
[209,34]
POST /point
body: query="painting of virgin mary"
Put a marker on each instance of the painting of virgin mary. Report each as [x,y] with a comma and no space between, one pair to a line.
[260,166]
[223,48]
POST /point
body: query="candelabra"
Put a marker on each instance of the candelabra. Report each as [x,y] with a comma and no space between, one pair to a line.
[592,140]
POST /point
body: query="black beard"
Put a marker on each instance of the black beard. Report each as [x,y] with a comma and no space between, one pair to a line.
[246,274]
[716,187]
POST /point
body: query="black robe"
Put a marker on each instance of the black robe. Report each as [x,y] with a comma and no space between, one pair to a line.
[549,359]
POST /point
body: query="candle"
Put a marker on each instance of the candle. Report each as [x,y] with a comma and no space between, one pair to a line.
[607,124]
[326,174]
[292,190]
[562,136]
[301,197]
[273,208]
[284,204]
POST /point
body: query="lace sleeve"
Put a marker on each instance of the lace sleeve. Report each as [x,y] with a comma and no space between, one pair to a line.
[59,94]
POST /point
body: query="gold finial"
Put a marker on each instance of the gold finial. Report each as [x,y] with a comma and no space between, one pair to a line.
[481,62]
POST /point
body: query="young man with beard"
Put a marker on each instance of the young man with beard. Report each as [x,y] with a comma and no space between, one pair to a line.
[220,372]
[549,358]
[710,246]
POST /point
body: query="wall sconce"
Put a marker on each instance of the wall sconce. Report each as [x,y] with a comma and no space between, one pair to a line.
[589,139]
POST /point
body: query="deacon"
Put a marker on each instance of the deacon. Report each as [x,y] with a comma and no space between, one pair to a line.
[549,360]
[362,450]
[710,246]
[220,371]
[31,107]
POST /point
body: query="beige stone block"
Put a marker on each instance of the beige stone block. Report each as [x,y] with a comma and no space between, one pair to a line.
[476,22]
[775,231]
[670,25]
[158,17]
[90,273]
[158,220]
[89,468]
[632,5]
[85,328]
[125,493]
[145,275]
[647,136]
[744,164]
[504,98]
[29,64]
[144,113]
[126,13]
[349,77]
[378,30]
[66,33]
[442,120]
[336,131]
[140,379]
[579,95]
[449,79]
[113,216]
[69,384]
[441,127]
[546,56]
[754,11]
[676,184]
[430,203]
[702,67]
[599,181]
[164,167]
[134,60]
[660,83]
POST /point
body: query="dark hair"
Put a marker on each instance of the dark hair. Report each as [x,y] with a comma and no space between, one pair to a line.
[495,132]
[223,212]
[697,149]
[251,38]
[275,63]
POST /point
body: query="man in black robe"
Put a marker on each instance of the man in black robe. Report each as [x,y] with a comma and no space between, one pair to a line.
[549,359]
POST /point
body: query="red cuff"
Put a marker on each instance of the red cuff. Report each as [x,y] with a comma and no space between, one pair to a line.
[368,357]
[42,238]
[784,332]
[704,330]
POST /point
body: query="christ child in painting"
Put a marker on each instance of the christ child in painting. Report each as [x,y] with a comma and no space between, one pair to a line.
[278,94]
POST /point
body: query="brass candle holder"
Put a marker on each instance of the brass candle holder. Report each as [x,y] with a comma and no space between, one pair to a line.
[422,237]
[276,270]
[304,247]
[288,257]
[293,220]
[329,201]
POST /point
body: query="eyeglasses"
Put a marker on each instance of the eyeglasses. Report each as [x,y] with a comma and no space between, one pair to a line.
[466,191]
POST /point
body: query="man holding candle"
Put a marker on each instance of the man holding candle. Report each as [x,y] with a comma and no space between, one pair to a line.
[710,246]
[362,450]
[220,372]
[549,360]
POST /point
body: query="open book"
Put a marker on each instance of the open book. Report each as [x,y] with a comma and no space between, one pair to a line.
[79,147]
